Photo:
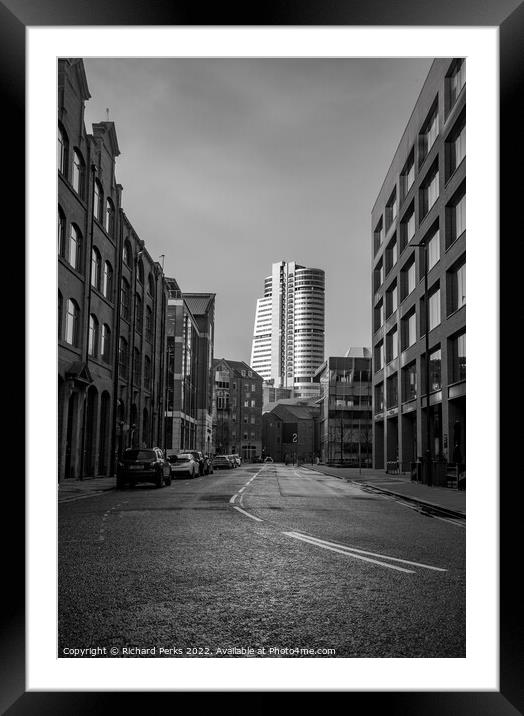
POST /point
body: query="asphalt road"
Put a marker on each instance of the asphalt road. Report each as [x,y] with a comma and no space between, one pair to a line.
[261,558]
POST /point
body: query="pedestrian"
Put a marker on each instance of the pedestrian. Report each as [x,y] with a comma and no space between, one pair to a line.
[317,461]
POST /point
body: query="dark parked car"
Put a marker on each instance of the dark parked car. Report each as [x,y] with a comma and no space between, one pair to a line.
[143,465]
[222,462]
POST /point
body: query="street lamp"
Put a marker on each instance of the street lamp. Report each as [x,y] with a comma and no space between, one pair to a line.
[426,307]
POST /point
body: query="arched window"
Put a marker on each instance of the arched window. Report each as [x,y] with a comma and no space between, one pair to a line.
[61,227]
[126,254]
[74,254]
[147,373]
[62,150]
[137,366]
[123,357]
[79,173]
[96,265]
[72,321]
[124,299]
[60,309]
[105,343]
[139,320]
[98,204]
[110,217]
[92,346]
[140,275]
[151,285]
[149,323]
[107,287]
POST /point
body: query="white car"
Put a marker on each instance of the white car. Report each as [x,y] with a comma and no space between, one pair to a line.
[183,464]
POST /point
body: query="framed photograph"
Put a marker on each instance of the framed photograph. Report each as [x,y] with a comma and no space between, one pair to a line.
[472,669]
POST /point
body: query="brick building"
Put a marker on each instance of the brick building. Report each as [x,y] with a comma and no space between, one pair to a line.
[112,300]
[237,411]
[419,232]
[291,431]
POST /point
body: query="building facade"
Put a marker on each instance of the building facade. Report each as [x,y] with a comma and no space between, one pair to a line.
[346,395]
[419,282]
[289,332]
[291,432]
[112,300]
[237,411]
[190,341]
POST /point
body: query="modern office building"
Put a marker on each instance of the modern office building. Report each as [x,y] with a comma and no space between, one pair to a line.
[112,300]
[419,283]
[270,394]
[237,411]
[346,395]
[288,338]
[190,337]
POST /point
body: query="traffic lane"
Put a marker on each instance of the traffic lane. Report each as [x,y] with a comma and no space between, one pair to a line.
[206,577]
[340,512]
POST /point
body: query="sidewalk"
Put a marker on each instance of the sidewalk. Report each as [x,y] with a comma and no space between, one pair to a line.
[442,498]
[74,489]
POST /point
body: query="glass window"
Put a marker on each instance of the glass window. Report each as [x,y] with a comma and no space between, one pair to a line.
[127,253]
[96,263]
[458,358]
[392,345]
[435,382]
[110,217]
[75,246]
[140,275]
[123,357]
[409,384]
[434,309]
[108,280]
[61,227]
[105,342]
[139,314]
[151,284]
[149,324]
[78,173]
[379,398]
[379,356]
[433,249]
[137,366]
[456,216]
[461,286]
[408,174]
[124,299]
[411,277]
[92,345]
[429,133]
[409,330]
[60,309]
[430,190]
[460,216]
[72,320]
[392,391]
[147,373]
[457,80]
[62,150]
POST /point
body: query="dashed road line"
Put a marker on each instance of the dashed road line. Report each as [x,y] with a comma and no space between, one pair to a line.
[247,514]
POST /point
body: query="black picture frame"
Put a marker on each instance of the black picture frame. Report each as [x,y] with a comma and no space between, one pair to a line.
[508,16]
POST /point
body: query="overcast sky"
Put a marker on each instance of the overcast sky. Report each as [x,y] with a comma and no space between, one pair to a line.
[229,165]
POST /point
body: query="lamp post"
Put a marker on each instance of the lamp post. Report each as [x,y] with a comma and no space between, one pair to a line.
[426,311]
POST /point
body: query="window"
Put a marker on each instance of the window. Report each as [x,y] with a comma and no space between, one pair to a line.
[147,373]
[379,275]
[391,299]
[140,271]
[72,322]
[391,209]
[456,286]
[456,216]
[392,391]
[407,176]
[409,330]
[379,398]
[149,324]
[392,345]
[458,358]
[75,247]
[429,133]
[127,254]
[429,191]
[137,366]
[98,201]
[379,356]
[435,380]
[391,254]
[409,382]
[379,315]
[96,265]
[456,80]
[408,278]
[92,345]
[124,299]
[456,145]
[432,243]
[60,310]
[105,343]
[378,235]
[407,227]
[61,228]
[139,319]
[434,309]
[151,285]
[123,357]
[110,217]
[107,286]
[62,150]
[79,173]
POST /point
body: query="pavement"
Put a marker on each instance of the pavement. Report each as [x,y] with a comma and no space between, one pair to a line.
[438,499]
[442,499]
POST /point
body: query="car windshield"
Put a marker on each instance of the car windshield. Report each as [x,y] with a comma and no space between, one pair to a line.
[183,458]
[139,455]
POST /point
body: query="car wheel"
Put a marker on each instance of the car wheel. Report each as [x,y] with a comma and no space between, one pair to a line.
[168,480]
[159,482]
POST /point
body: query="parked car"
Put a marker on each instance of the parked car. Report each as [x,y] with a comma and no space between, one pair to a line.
[232,460]
[268,459]
[183,464]
[222,462]
[237,459]
[199,457]
[143,465]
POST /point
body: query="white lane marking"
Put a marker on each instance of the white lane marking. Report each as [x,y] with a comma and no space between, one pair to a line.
[451,521]
[371,554]
[241,502]
[233,498]
[247,514]
[346,553]
[241,490]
